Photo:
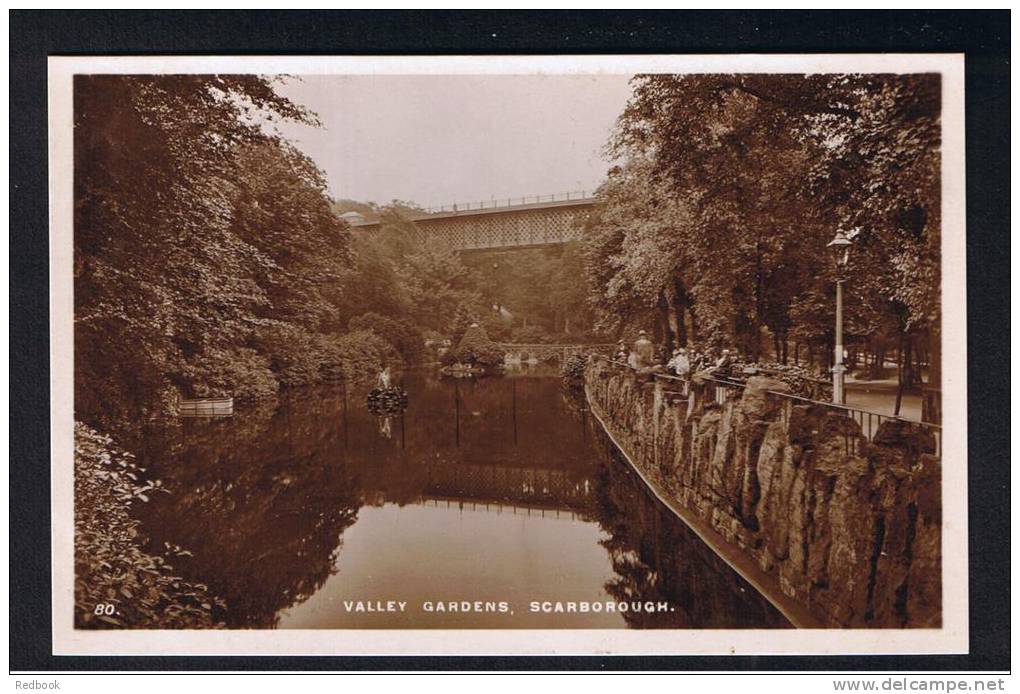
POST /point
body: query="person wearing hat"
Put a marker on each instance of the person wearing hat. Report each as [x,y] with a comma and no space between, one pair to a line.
[724,364]
[670,365]
[643,352]
[680,364]
[621,352]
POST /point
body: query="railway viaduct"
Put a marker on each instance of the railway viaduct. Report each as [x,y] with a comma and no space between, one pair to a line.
[529,222]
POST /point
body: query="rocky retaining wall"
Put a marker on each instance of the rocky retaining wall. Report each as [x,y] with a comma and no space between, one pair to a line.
[850,529]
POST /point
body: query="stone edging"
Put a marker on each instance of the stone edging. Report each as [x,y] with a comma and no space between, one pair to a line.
[766,584]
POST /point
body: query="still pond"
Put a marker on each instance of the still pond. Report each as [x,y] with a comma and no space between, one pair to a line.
[486,503]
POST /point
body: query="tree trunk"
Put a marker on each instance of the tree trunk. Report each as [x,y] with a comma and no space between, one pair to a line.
[899,377]
[673,321]
[759,305]
[931,403]
[878,362]
[915,370]
[908,362]
[666,335]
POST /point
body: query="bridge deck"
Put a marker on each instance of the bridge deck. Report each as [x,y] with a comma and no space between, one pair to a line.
[497,207]
[523,225]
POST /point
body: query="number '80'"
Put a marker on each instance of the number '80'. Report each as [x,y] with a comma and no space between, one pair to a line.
[106,608]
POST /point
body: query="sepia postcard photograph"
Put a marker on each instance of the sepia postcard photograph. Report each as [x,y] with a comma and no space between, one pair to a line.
[508,355]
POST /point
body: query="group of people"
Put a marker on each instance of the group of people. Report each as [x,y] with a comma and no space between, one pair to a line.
[683,362]
[640,356]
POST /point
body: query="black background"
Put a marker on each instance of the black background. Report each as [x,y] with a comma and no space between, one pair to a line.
[982,35]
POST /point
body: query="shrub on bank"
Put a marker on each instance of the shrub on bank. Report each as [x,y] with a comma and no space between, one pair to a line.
[356,355]
[476,348]
[803,381]
[497,327]
[242,373]
[573,368]
[294,354]
[117,584]
[404,335]
[529,335]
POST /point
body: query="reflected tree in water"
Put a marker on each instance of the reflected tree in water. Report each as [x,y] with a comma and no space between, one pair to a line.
[657,558]
[261,505]
[262,500]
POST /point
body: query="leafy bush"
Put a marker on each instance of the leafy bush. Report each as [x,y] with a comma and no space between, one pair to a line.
[802,381]
[356,355]
[433,336]
[476,348]
[497,327]
[462,319]
[529,335]
[242,373]
[110,566]
[295,355]
[573,368]
[402,334]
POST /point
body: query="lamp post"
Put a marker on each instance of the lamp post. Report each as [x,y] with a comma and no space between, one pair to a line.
[840,247]
[497,286]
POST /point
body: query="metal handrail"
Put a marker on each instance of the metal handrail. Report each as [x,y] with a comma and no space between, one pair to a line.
[874,419]
[557,345]
[812,379]
[509,202]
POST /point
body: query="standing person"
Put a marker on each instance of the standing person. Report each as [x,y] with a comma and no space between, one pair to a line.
[680,364]
[621,352]
[643,351]
[704,361]
[724,364]
[671,364]
[383,380]
[633,361]
[694,359]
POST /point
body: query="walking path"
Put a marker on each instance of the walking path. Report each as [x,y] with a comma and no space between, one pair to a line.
[880,396]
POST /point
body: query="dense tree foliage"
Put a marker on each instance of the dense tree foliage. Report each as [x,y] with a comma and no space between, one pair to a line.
[520,295]
[476,348]
[540,292]
[714,226]
[405,337]
[208,257]
[116,582]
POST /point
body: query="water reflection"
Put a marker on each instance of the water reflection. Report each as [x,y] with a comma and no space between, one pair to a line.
[656,557]
[494,490]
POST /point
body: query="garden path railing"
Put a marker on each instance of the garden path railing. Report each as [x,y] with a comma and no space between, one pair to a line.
[719,389]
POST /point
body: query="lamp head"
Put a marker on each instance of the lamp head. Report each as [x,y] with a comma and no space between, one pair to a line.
[840,247]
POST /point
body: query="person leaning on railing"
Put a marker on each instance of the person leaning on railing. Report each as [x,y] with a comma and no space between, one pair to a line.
[620,354]
[679,364]
[723,366]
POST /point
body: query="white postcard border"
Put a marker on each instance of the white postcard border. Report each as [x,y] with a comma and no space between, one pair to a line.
[952,638]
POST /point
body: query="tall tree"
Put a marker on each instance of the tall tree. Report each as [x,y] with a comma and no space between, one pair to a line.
[189,211]
[438,282]
[768,167]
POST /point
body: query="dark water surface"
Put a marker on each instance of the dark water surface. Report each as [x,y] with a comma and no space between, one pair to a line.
[488,491]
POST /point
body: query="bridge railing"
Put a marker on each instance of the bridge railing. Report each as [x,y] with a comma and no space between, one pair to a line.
[498,203]
[579,346]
